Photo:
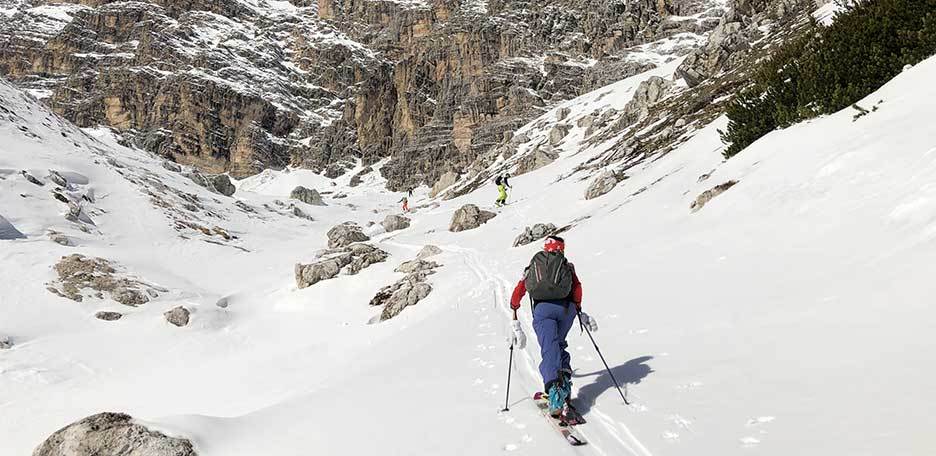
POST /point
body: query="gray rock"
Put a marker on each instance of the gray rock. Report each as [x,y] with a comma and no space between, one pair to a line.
[300,213]
[349,260]
[469,217]
[218,183]
[6,343]
[171,166]
[129,296]
[707,195]
[77,214]
[32,179]
[8,231]
[445,181]
[428,251]
[108,316]
[558,133]
[395,222]
[725,41]
[60,239]
[345,234]
[586,121]
[57,179]
[534,233]
[178,316]
[602,184]
[562,113]
[307,195]
[412,266]
[359,177]
[112,434]
[536,159]
[647,94]
[407,294]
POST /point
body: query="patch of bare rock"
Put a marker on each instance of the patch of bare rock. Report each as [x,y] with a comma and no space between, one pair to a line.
[409,290]
[114,434]
[709,194]
[469,217]
[81,277]
[348,260]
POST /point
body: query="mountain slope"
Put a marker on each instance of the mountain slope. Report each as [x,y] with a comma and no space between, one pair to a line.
[787,315]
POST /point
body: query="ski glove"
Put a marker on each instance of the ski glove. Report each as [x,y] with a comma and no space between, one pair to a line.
[517,337]
[588,321]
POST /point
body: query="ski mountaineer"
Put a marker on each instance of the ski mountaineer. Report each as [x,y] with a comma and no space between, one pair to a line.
[405,202]
[556,295]
[502,186]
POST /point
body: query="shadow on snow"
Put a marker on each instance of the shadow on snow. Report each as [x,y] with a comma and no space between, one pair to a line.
[631,372]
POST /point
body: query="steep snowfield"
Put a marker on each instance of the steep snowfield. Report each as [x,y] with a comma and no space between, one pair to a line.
[787,316]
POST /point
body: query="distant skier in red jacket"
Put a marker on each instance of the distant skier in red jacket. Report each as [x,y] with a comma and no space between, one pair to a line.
[556,293]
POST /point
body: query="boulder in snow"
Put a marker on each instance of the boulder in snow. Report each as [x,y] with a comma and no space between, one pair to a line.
[218,183]
[349,260]
[707,195]
[108,315]
[32,179]
[469,217]
[558,133]
[602,184]
[445,181]
[395,222]
[535,233]
[80,276]
[171,166]
[345,234]
[535,160]
[428,251]
[6,343]
[112,434]
[8,231]
[417,265]
[178,316]
[307,195]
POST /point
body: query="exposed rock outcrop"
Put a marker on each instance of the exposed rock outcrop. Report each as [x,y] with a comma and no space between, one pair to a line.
[469,217]
[534,233]
[218,183]
[108,315]
[724,48]
[345,234]
[112,434]
[707,195]
[307,195]
[603,184]
[6,342]
[348,260]
[445,181]
[81,277]
[178,316]
[407,291]
[538,158]
[428,251]
[395,222]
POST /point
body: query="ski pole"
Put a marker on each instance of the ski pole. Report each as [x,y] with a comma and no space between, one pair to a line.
[616,384]
[509,369]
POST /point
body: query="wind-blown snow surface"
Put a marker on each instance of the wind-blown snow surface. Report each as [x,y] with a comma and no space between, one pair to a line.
[789,316]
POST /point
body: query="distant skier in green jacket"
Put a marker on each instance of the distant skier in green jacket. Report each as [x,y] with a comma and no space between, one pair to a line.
[502,186]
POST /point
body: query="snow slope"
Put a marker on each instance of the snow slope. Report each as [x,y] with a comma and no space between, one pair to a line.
[788,316]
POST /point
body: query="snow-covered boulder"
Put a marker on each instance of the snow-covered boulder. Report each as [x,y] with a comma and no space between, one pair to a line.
[707,195]
[112,434]
[8,231]
[178,316]
[534,233]
[469,217]
[80,277]
[417,265]
[395,222]
[345,234]
[307,195]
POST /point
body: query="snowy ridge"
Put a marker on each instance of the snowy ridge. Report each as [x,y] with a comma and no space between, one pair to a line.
[758,323]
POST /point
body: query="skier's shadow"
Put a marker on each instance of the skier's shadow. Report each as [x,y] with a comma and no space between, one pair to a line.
[631,372]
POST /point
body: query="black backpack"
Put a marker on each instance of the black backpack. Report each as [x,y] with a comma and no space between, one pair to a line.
[497,180]
[549,277]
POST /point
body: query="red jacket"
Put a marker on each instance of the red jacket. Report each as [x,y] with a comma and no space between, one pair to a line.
[521,290]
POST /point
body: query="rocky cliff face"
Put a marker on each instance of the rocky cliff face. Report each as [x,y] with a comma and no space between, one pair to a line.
[240,85]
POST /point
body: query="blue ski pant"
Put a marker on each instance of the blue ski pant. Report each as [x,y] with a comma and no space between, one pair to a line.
[552,322]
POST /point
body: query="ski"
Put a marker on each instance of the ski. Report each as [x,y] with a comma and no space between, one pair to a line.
[565,428]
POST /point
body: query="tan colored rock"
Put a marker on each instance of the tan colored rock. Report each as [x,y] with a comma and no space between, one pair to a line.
[445,181]
[709,194]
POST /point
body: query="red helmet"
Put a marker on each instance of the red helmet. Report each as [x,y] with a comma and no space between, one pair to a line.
[554,244]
